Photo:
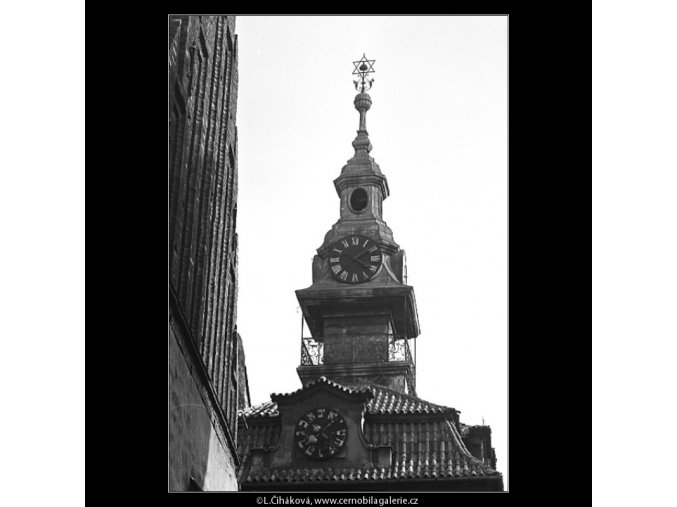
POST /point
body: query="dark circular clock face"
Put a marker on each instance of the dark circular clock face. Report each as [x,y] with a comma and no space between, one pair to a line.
[354,259]
[321,433]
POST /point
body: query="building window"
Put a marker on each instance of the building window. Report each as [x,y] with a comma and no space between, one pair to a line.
[358,200]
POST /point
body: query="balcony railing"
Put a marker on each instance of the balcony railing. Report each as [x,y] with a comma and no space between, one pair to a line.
[312,351]
[398,350]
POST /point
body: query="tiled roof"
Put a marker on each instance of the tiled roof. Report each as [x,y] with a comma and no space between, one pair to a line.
[417,471]
[449,465]
[363,389]
[388,401]
[422,447]
[268,409]
[385,401]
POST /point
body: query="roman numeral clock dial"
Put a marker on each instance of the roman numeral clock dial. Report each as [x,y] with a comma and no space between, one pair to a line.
[354,259]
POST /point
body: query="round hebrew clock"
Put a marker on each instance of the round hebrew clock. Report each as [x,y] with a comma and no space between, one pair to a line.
[354,259]
[321,433]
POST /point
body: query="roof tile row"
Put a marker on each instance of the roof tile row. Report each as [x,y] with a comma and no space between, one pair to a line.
[411,471]
[384,401]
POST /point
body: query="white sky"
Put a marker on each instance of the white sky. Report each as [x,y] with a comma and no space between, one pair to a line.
[438,125]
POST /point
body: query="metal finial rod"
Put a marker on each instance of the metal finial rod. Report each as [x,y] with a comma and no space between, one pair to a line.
[363,67]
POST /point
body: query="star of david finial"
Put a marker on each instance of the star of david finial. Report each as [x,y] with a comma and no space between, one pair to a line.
[364,67]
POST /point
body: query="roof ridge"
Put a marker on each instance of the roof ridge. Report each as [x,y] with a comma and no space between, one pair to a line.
[409,396]
[255,409]
[324,380]
[383,400]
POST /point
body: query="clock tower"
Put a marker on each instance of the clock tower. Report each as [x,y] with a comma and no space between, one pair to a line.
[360,312]
[357,422]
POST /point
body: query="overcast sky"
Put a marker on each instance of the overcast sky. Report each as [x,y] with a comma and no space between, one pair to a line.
[438,125]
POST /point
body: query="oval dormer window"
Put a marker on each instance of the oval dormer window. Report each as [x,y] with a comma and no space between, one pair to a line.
[358,200]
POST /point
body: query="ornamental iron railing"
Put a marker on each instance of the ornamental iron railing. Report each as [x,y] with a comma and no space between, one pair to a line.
[398,350]
[312,351]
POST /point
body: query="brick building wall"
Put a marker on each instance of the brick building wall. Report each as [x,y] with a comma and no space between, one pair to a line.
[203,250]
[243,399]
[199,451]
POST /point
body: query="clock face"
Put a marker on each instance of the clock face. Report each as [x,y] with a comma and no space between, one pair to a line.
[354,259]
[321,433]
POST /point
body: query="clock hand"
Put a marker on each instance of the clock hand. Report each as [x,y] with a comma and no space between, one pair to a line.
[361,262]
[322,431]
[330,425]
[309,440]
[361,254]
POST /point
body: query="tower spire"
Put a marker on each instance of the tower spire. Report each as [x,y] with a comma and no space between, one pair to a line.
[363,68]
